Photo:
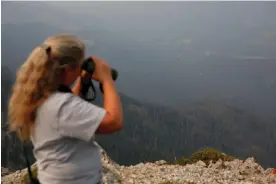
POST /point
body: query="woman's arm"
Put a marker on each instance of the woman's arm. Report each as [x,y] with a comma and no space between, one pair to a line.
[113,120]
[78,86]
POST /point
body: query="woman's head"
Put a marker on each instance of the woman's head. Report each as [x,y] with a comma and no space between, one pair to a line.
[56,61]
[66,52]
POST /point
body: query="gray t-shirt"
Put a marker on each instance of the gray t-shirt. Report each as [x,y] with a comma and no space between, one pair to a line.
[63,140]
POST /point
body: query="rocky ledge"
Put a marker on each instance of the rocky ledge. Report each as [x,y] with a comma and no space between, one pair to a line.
[161,172]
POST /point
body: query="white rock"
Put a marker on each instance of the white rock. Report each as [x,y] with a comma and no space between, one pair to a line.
[267,171]
[160,162]
[200,164]
[130,181]
[233,172]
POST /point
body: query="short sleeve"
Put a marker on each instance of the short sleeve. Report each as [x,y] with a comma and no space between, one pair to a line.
[79,118]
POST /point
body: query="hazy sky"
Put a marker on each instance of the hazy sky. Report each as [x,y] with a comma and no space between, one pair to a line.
[199,49]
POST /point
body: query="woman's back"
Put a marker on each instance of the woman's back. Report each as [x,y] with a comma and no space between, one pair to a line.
[60,124]
[63,146]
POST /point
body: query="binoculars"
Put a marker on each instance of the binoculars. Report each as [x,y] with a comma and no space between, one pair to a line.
[89,67]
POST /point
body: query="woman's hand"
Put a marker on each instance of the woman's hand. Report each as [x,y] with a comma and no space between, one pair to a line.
[85,75]
[113,119]
[102,70]
[78,85]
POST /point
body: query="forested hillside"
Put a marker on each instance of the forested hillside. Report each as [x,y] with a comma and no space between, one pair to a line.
[153,132]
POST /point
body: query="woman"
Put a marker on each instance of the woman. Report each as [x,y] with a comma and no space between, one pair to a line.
[60,124]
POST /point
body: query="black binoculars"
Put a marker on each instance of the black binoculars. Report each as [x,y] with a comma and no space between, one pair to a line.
[89,67]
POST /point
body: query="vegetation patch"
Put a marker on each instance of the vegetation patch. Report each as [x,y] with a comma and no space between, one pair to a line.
[205,155]
[26,178]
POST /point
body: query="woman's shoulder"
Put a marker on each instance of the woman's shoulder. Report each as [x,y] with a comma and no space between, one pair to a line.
[56,101]
[60,101]
[59,98]
[73,116]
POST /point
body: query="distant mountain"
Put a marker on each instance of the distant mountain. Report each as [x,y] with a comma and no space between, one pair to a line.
[156,132]
[153,132]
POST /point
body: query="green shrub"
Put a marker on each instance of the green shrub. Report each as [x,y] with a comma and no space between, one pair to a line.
[26,175]
[205,155]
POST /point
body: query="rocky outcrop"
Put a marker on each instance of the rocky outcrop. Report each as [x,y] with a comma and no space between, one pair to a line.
[237,171]
[232,172]
[111,172]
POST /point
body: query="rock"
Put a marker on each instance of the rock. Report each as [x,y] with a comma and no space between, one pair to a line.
[200,164]
[160,162]
[130,181]
[250,167]
[241,177]
[218,165]
[273,171]
[236,172]
[4,171]
[268,171]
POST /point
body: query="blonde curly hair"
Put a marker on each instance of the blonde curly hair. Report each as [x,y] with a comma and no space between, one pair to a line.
[39,77]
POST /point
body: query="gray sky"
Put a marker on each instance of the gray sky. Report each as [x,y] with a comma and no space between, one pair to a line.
[200,49]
